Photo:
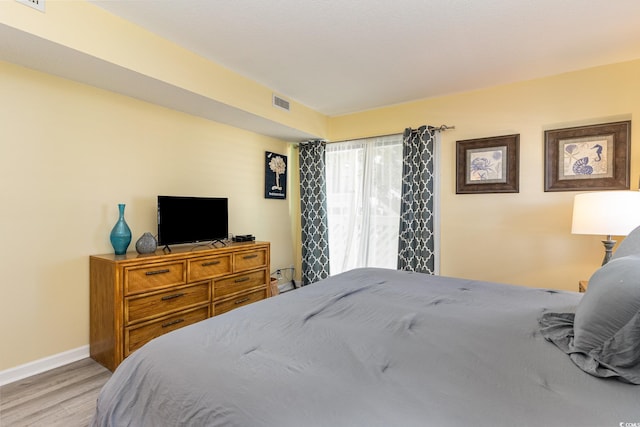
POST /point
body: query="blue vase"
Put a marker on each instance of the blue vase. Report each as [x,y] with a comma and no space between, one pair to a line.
[120,234]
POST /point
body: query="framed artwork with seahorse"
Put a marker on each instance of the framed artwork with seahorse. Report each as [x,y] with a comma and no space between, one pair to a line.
[488,165]
[585,158]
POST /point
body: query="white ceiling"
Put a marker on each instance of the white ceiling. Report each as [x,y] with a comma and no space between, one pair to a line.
[343,56]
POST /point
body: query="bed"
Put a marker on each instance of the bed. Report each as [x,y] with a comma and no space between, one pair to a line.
[375,347]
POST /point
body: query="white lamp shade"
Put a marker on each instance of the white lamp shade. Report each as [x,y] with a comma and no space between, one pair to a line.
[610,213]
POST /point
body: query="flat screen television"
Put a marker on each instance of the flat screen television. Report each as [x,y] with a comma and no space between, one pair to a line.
[192,219]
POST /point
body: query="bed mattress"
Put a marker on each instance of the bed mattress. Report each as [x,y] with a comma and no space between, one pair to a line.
[369,347]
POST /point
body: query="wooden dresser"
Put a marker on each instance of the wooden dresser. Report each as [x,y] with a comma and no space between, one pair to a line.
[135,298]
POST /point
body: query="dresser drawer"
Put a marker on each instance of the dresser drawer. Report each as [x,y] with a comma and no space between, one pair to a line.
[209,267]
[249,260]
[139,308]
[136,336]
[155,276]
[239,301]
[224,287]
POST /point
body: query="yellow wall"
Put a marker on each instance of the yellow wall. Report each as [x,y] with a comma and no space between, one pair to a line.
[83,27]
[519,238]
[70,154]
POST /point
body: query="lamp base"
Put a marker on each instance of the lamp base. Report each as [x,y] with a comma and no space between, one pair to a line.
[608,250]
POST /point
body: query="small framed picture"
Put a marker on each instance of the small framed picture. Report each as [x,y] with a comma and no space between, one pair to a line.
[587,158]
[275,176]
[487,165]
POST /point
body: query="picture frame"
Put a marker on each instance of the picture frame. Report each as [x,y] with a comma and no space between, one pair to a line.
[488,165]
[588,158]
[275,176]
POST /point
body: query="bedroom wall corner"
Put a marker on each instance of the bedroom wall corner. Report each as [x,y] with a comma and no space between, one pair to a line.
[523,238]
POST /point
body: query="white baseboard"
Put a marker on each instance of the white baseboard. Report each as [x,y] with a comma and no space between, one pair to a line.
[38,366]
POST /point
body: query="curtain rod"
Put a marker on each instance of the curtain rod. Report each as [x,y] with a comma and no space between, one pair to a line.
[440,128]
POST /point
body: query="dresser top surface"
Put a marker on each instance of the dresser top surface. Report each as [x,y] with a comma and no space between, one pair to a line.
[182,250]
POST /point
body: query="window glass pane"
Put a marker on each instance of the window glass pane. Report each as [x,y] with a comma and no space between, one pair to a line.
[384,199]
[363,202]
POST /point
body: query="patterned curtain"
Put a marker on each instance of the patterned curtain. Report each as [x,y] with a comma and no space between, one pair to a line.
[313,212]
[416,246]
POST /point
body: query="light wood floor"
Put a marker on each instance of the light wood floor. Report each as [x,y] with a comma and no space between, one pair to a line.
[64,396]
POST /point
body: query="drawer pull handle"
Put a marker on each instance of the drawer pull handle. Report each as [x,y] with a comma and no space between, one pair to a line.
[152,273]
[242,279]
[173,322]
[206,264]
[240,301]
[250,256]
[168,297]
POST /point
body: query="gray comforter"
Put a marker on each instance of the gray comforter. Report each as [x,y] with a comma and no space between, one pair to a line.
[369,347]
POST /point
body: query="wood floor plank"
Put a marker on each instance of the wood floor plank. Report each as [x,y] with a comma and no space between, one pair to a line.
[47,382]
[64,396]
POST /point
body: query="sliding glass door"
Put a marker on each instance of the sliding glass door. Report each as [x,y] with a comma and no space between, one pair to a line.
[364,179]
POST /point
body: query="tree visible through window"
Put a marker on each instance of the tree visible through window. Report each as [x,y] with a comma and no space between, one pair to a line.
[363,202]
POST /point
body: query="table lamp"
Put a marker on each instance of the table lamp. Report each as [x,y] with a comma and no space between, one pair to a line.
[608,213]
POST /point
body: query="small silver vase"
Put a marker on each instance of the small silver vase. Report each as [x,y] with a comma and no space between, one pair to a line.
[146,244]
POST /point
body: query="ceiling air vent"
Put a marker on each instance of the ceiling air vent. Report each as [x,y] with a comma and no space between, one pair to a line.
[36,4]
[281,103]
